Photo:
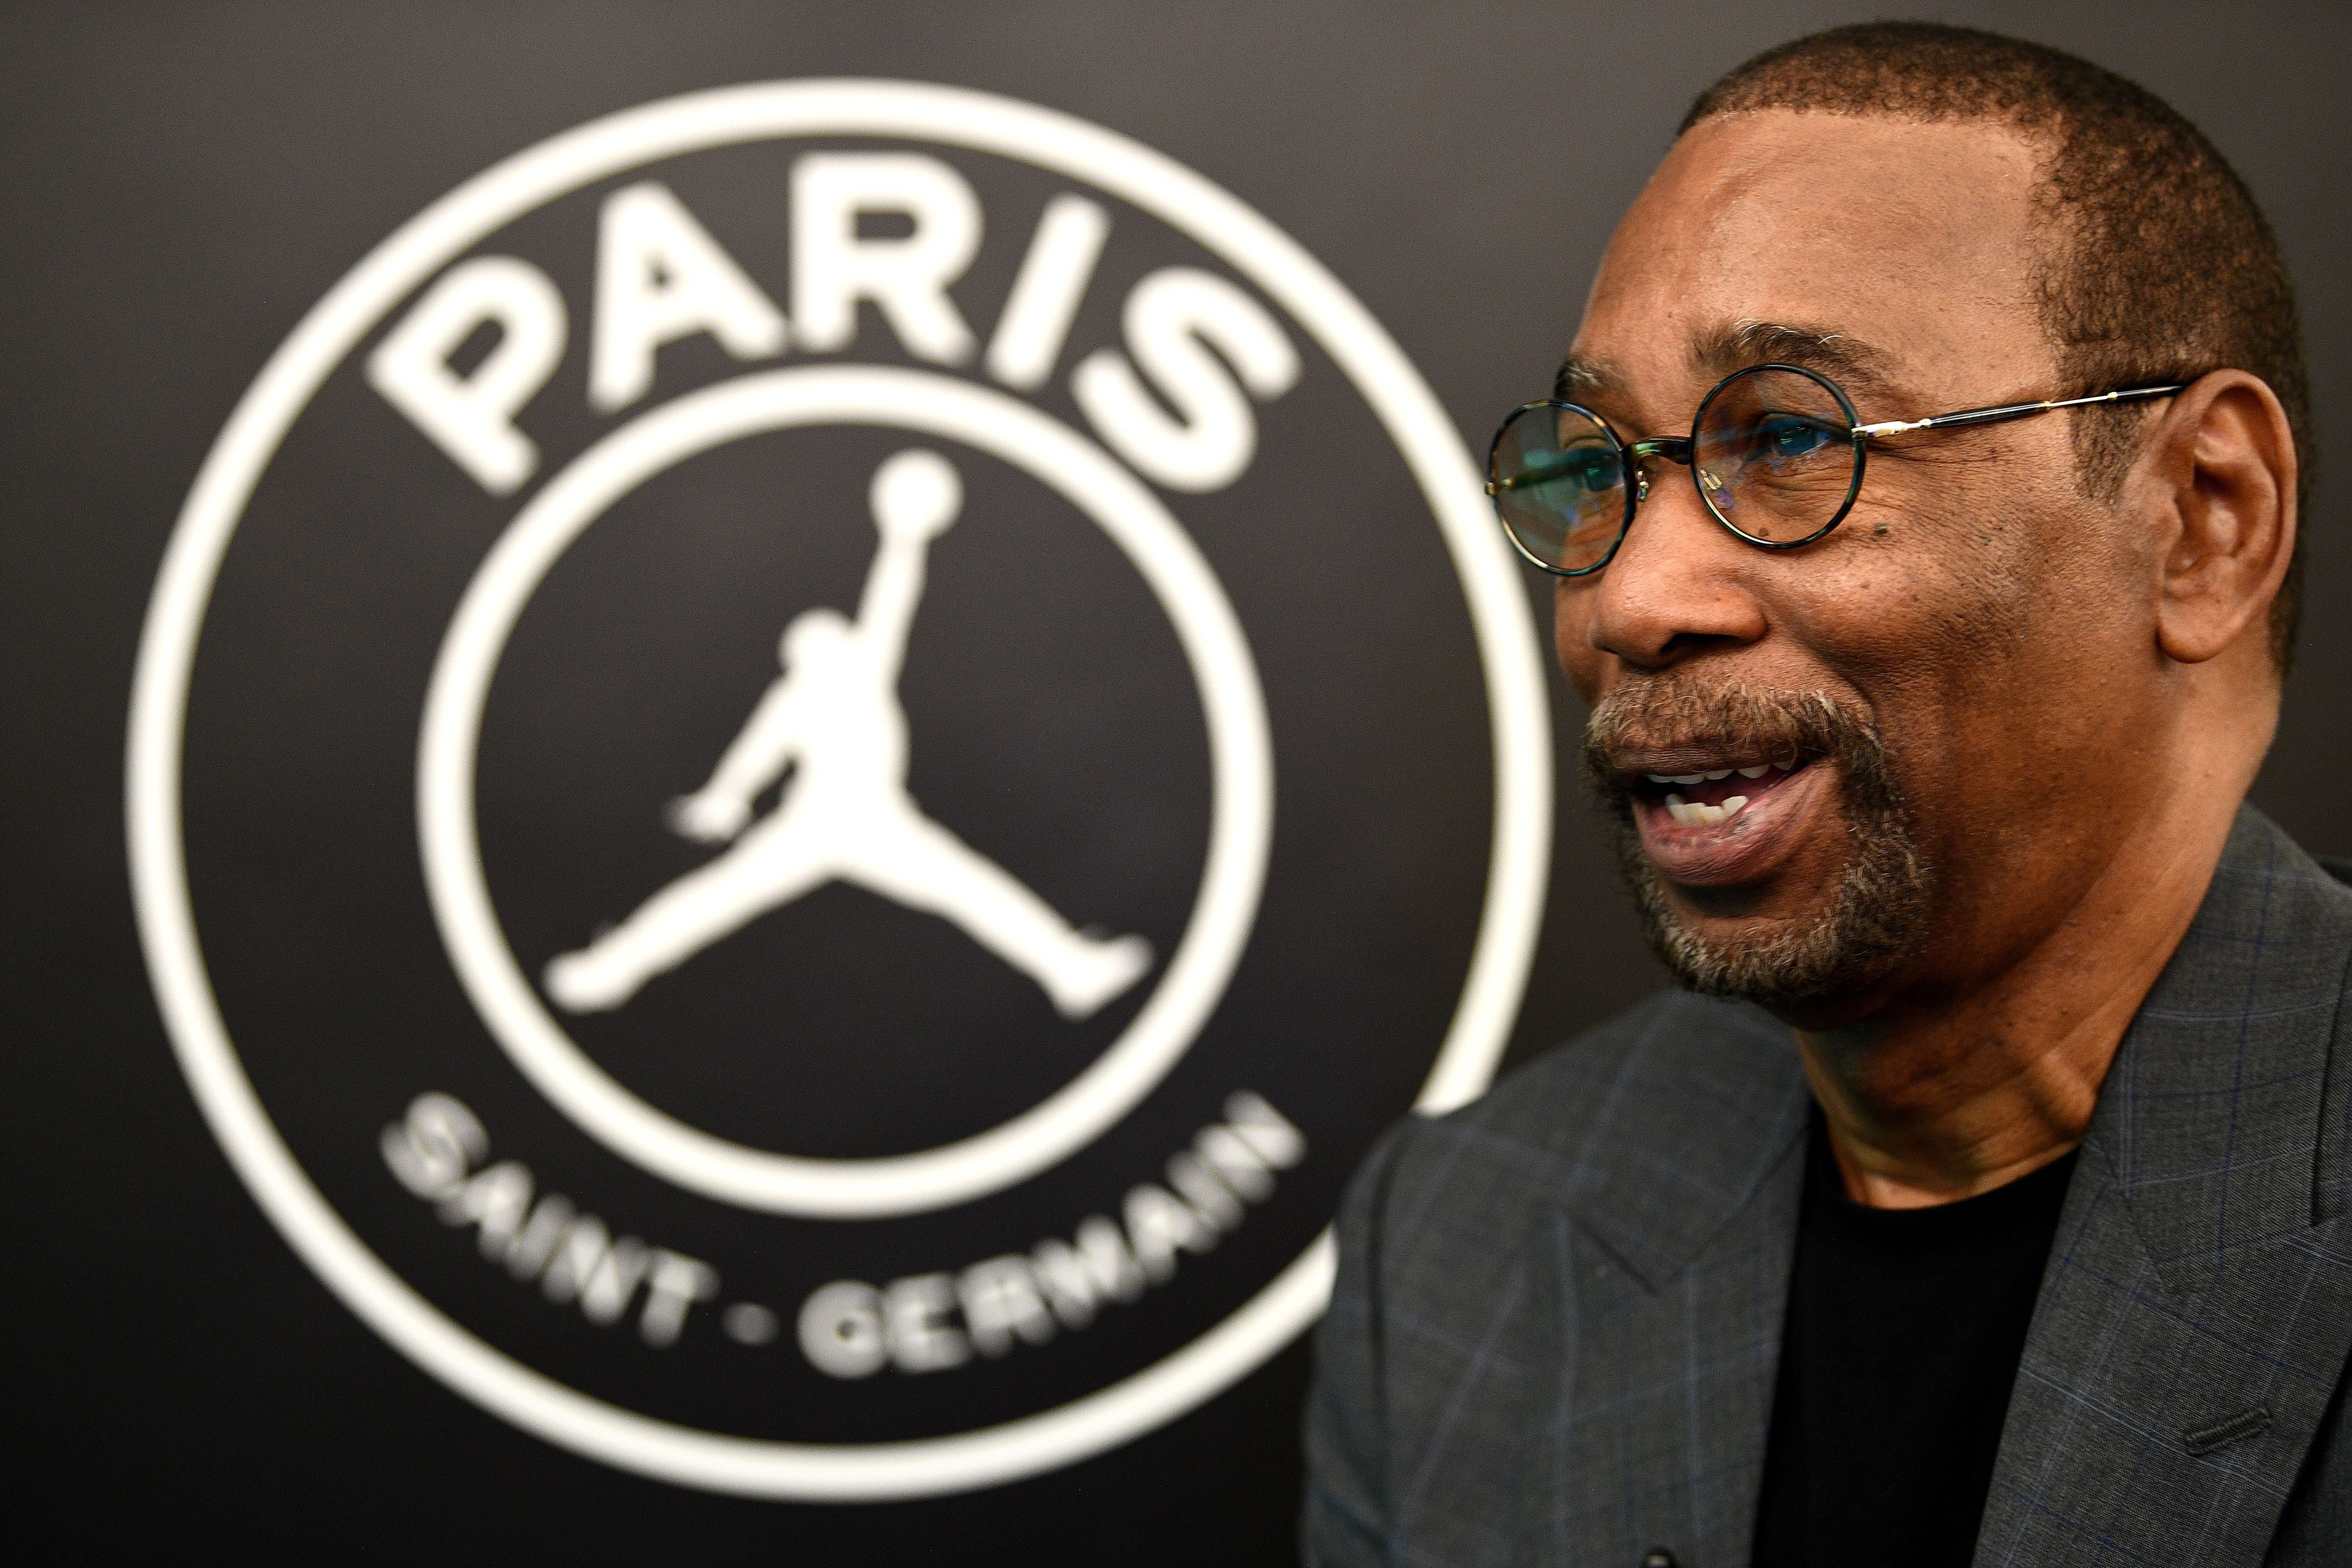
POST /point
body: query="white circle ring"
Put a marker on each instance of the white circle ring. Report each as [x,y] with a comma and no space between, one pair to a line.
[1518,855]
[1240,774]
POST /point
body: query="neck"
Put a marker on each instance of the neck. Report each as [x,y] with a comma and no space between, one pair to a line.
[1931,1099]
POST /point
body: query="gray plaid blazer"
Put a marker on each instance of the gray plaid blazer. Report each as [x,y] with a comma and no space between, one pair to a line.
[1558,1309]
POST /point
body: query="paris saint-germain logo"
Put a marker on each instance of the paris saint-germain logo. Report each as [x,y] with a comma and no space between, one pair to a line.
[807,770]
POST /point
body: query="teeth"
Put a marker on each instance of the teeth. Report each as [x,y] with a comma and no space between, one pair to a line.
[1757,772]
[1694,813]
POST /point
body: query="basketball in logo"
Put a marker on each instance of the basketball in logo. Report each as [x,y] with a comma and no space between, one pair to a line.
[889,729]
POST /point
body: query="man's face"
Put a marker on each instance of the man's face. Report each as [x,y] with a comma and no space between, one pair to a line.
[1962,673]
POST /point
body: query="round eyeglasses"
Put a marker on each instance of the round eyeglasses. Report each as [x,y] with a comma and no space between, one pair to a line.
[1775,451]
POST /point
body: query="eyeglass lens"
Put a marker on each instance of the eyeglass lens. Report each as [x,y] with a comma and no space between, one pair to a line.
[1773,453]
[1560,485]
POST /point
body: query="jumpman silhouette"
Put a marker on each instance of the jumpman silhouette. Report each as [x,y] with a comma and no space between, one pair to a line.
[833,719]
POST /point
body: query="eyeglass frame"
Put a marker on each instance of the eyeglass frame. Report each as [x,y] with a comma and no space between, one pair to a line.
[1678,449]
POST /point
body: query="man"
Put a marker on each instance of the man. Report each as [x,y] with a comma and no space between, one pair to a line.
[1985,1201]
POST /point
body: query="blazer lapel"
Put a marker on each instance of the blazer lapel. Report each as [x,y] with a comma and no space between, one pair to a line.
[1667,1271]
[2196,1314]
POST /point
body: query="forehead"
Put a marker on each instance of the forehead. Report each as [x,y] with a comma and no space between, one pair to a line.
[1915,245]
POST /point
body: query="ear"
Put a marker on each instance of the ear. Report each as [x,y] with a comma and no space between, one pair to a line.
[2224,461]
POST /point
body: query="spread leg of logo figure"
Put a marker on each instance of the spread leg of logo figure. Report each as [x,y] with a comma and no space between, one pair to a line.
[907,893]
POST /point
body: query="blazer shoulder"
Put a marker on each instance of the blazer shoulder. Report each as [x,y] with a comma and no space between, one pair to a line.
[1646,1067]
[1677,1077]
[2265,880]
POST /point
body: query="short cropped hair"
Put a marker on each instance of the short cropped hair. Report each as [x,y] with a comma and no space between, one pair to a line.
[2165,268]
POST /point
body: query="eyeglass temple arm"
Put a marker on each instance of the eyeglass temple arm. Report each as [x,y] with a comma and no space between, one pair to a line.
[2009,411]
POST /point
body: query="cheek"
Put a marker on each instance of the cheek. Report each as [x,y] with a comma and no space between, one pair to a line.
[1934,640]
[1900,626]
[1990,553]
[1936,583]
[2035,611]
[1999,668]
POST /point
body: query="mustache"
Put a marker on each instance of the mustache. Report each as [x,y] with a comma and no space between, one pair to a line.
[1679,719]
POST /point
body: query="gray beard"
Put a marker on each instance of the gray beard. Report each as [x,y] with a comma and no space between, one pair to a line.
[1878,914]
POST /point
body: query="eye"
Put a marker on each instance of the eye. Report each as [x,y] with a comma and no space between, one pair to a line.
[1587,469]
[1784,437]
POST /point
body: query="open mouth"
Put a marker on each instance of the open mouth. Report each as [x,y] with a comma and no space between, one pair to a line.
[1715,819]
[1709,797]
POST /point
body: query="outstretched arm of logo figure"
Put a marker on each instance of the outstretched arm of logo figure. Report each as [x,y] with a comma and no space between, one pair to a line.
[915,498]
[757,758]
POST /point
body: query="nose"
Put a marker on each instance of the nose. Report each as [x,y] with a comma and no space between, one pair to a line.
[1680,585]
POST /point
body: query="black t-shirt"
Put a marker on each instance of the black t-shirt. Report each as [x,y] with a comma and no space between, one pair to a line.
[1904,1332]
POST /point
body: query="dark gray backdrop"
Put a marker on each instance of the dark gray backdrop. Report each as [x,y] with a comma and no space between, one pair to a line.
[182,184]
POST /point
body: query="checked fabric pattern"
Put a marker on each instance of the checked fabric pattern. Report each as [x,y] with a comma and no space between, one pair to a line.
[1558,1315]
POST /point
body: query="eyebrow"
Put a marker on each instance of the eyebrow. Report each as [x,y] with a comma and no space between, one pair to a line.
[1839,355]
[1824,349]
[1576,374]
